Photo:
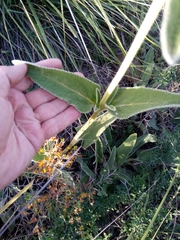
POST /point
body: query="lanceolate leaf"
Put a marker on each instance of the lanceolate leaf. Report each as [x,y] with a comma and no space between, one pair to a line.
[147,67]
[76,90]
[124,149]
[170,32]
[131,101]
[110,163]
[146,138]
[92,133]
[98,151]
[85,168]
[108,137]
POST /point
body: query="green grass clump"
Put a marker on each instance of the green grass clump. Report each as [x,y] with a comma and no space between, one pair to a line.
[77,32]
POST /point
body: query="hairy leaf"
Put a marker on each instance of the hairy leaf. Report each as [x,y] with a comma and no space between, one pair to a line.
[125,148]
[170,32]
[91,134]
[76,90]
[131,101]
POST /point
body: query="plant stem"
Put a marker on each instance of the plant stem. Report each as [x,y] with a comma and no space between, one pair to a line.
[149,19]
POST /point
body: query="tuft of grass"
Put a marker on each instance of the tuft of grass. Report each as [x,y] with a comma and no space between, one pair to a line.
[77,32]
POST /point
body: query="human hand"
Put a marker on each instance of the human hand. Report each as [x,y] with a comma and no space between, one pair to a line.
[26,120]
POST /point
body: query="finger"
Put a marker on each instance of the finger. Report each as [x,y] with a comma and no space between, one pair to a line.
[38,97]
[27,82]
[57,124]
[79,73]
[50,109]
[51,62]
[6,120]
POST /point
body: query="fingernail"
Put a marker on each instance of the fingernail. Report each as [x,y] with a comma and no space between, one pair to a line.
[16,62]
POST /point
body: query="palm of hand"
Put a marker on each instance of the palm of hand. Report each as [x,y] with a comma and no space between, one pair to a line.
[26,121]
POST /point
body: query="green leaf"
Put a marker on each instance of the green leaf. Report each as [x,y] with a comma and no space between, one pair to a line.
[39,157]
[110,163]
[148,66]
[152,123]
[110,107]
[98,99]
[125,148]
[148,155]
[76,90]
[143,140]
[123,176]
[111,97]
[108,137]
[92,133]
[85,168]
[131,101]
[170,32]
[99,151]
